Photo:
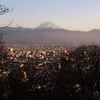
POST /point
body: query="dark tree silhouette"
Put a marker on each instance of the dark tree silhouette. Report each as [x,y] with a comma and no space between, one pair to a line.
[3,57]
[87,59]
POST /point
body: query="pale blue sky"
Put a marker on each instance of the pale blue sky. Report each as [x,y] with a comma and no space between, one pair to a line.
[69,14]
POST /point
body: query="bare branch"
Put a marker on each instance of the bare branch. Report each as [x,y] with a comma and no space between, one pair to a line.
[3,9]
[3,27]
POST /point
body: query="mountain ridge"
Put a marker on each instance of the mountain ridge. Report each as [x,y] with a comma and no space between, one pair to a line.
[51,35]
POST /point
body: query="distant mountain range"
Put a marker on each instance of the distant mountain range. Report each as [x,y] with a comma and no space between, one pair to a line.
[50,33]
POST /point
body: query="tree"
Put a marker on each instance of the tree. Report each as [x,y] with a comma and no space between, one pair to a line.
[3,55]
[3,9]
[87,59]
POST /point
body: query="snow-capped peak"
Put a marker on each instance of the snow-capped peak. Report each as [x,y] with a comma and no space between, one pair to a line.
[48,25]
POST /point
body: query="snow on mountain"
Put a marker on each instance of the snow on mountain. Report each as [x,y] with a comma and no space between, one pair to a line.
[48,25]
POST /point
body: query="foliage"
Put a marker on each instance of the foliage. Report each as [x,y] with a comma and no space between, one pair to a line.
[78,78]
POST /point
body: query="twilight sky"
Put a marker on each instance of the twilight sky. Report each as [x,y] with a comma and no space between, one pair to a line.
[69,14]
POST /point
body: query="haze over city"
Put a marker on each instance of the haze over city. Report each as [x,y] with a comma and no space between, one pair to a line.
[68,14]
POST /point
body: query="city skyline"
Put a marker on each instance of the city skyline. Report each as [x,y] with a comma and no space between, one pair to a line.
[68,14]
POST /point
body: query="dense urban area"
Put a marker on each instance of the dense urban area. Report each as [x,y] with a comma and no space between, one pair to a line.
[50,73]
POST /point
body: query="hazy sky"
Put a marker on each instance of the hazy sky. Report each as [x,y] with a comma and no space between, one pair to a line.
[69,14]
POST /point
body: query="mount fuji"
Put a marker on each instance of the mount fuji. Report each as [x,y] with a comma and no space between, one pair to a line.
[50,33]
[48,25]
